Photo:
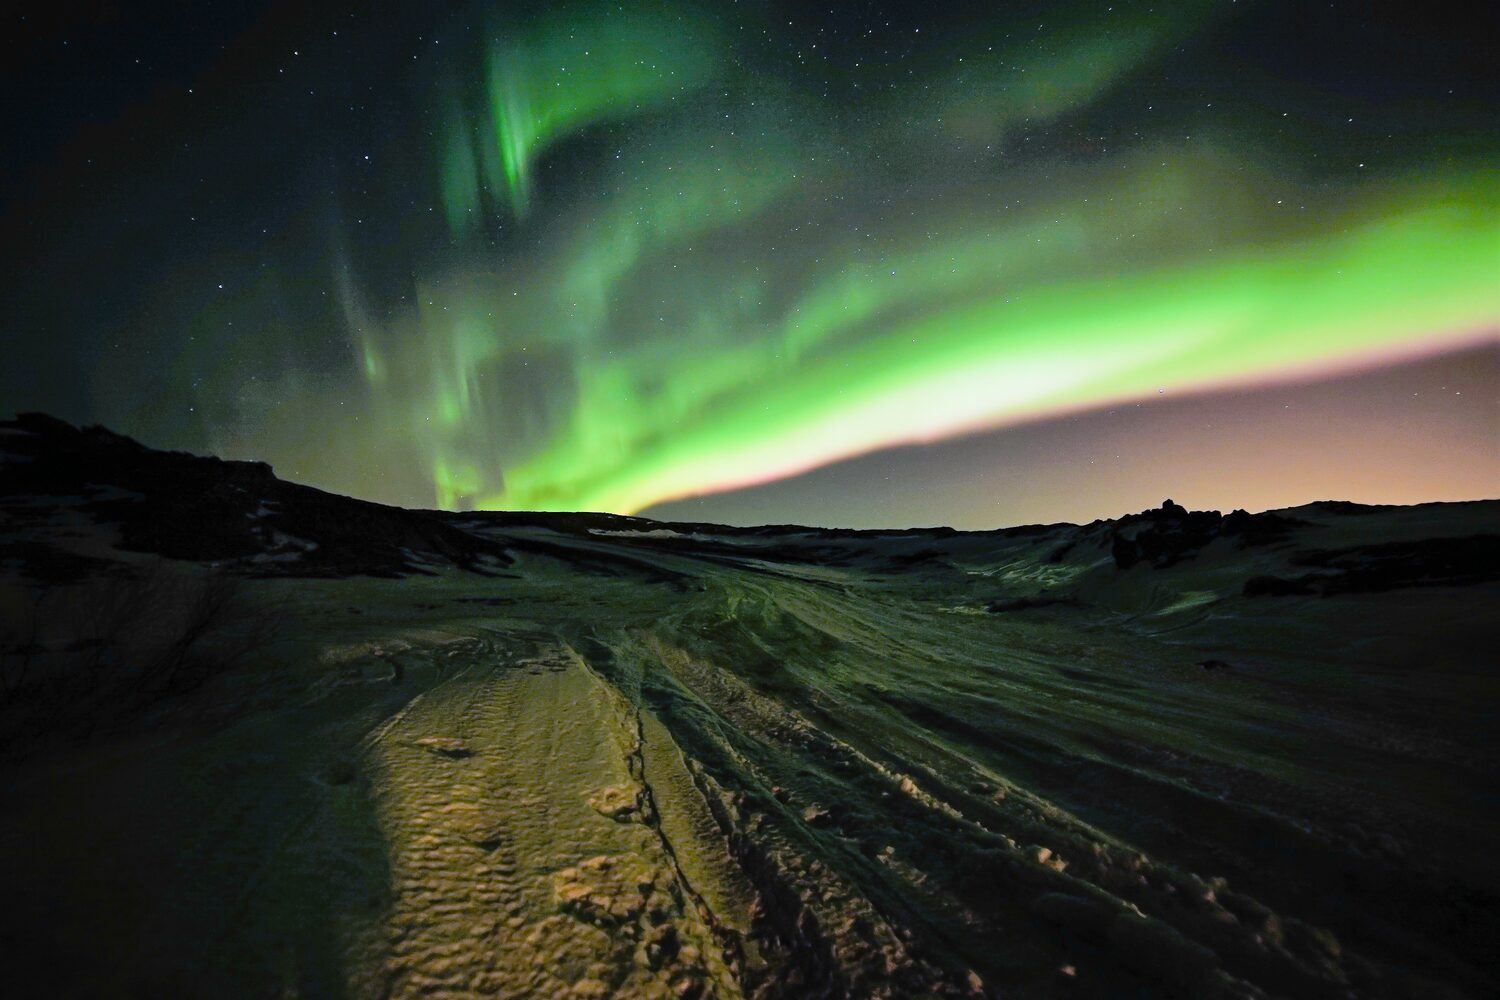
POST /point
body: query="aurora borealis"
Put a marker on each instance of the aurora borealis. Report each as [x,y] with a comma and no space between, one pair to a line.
[607,256]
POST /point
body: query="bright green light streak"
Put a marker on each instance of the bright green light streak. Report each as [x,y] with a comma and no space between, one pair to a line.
[1421,274]
[558,78]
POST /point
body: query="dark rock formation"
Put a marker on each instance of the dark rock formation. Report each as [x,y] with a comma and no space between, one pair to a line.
[206,509]
[1365,569]
[1171,533]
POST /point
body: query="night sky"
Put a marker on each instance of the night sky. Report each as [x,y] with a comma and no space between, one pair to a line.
[864,264]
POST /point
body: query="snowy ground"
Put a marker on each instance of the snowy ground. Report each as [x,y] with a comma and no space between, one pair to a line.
[642,762]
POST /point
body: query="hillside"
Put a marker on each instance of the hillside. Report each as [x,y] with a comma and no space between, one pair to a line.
[259,739]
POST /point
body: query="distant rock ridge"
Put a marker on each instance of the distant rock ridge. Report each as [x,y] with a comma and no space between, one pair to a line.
[207,509]
[1170,533]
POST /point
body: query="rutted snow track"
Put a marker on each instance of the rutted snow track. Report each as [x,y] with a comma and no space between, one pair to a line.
[522,860]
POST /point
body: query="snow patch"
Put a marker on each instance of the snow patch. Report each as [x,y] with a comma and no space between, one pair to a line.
[637,533]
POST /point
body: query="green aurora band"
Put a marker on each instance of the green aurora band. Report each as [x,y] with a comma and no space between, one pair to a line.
[747,288]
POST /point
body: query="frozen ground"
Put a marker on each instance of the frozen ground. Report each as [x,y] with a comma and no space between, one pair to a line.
[1173,755]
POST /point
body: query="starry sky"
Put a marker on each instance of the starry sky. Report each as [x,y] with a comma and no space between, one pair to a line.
[865,264]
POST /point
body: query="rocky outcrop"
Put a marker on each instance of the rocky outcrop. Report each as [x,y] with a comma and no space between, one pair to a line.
[1171,533]
[209,510]
[1368,569]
